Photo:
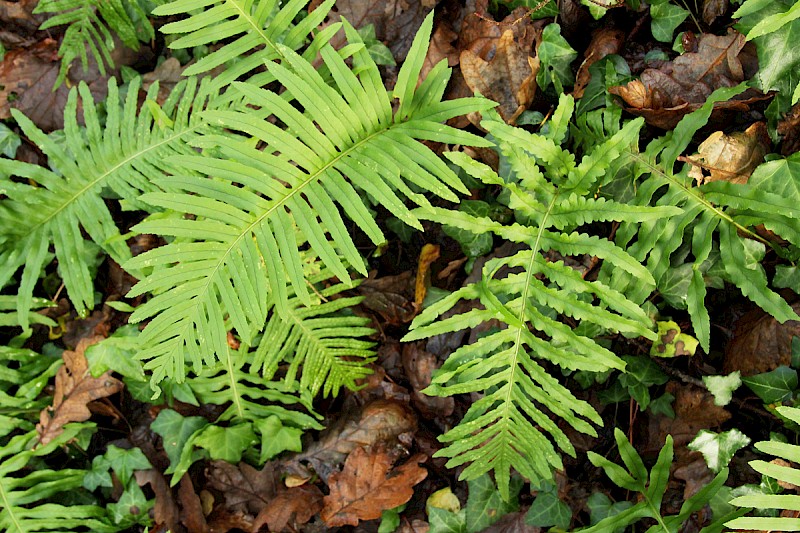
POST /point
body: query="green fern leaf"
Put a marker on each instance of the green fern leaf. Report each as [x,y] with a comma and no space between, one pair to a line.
[255,29]
[723,207]
[123,155]
[91,23]
[508,427]
[788,474]
[239,252]
[23,495]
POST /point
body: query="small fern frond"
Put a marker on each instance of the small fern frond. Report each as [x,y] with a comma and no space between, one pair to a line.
[238,254]
[92,24]
[715,207]
[510,426]
[255,30]
[328,345]
[779,471]
[123,155]
[23,495]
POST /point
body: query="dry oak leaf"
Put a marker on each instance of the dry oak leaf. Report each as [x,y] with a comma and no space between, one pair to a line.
[75,388]
[290,509]
[246,489]
[508,78]
[730,157]
[366,487]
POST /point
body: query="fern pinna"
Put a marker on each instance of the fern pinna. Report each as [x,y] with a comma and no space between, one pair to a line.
[727,208]
[253,206]
[550,194]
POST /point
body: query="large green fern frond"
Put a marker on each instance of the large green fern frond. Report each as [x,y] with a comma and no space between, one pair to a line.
[92,24]
[239,251]
[511,425]
[55,205]
[718,207]
[256,29]
[23,494]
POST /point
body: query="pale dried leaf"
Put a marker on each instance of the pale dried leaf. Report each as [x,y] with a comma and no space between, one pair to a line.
[731,157]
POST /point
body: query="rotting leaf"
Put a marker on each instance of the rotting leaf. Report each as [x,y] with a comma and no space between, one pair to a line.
[365,488]
[419,366]
[392,297]
[664,95]
[290,508]
[731,157]
[760,343]
[671,342]
[441,48]
[192,517]
[165,511]
[379,422]
[429,254]
[605,41]
[75,389]
[246,489]
[508,78]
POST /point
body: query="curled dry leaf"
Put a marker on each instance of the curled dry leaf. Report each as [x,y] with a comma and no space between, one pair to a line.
[730,157]
[289,509]
[713,9]
[75,389]
[365,487]
[664,95]
[379,422]
[166,512]
[193,516]
[605,41]
[246,489]
[508,78]
[429,254]
[419,366]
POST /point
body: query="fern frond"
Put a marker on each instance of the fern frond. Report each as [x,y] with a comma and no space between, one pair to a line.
[779,472]
[23,495]
[124,155]
[510,426]
[256,28]
[719,207]
[91,23]
[238,254]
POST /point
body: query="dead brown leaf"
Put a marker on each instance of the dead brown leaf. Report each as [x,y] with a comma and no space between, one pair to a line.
[508,78]
[365,488]
[664,95]
[20,14]
[694,410]
[192,516]
[419,366]
[246,489]
[381,421]
[441,48]
[166,512]
[789,130]
[713,9]
[605,41]
[512,523]
[290,509]
[392,297]
[730,157]
[75,389]
[760,343]
[480,32]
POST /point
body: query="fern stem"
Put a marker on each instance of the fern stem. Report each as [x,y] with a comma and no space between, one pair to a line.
[697,197]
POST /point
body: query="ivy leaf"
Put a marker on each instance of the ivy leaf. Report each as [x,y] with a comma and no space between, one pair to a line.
[547,510]
[722,387]
[718,448]
[276,438]
[131,508]
[226,443]
[124,462]
[117,353]
[444,521]
[485,506]
[556,56]
[175,431]
[9,141]
[775,386]
[665,16]
[600,507]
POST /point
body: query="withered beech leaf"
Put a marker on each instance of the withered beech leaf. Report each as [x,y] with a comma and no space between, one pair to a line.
[509,78]
[730,157]
[75,388]
[245,488]
[296,505]
[664,95]
[365,487]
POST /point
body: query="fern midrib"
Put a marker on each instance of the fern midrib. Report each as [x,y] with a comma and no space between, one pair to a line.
[255,27]
[523,305]
[103,176]
[694,193]
[237,400]
[7,505]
